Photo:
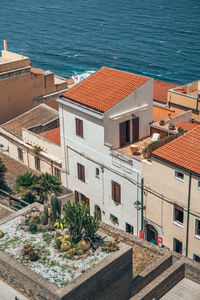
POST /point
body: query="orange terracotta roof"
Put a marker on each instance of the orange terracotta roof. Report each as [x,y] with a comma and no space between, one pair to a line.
[52,135]
[183,151]
[160,90]
[187,126]
[162,113]
[35,71]
[105,88]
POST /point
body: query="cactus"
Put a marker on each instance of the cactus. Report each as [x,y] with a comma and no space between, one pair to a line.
[27,248]
[84,245]
[46,212]
[56,207]
[58,243]
[44,219]
[33,228]
[32,255]
[65,246]
[70,253]
[1,234]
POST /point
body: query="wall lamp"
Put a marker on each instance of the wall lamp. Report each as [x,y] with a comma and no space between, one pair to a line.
[137,205]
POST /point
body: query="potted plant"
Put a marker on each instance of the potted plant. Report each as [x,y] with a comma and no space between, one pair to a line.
[180,129]
[144,152]
[162,122]
[171,126]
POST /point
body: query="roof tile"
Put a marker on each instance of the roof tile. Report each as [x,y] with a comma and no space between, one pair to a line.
[160,90]
[105,88]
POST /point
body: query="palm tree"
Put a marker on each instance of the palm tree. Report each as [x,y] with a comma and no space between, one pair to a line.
[3,169]
[47,185]
[25,186]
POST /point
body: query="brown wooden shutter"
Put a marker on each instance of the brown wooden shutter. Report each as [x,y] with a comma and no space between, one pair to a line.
[83,173]
[76,197]
[117,193]
[135,130]
[81,128]
[113,190]
[77,126]
[79,170]
[122,134]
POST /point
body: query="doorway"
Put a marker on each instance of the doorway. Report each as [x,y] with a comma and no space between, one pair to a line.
[151,234]
[98,211]
[177,246]
[135,129]
[124,133]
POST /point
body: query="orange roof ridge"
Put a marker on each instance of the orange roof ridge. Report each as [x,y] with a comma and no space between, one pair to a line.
[105,88]
[183,151]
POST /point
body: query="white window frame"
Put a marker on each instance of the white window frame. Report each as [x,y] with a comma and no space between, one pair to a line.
[196,235]
[177,178]
[181,225]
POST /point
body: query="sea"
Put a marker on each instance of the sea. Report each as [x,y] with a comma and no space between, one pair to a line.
[156,38]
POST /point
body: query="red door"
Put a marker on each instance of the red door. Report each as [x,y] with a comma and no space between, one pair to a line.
[135,130]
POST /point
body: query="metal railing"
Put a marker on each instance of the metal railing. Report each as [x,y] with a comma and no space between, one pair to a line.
[13,201]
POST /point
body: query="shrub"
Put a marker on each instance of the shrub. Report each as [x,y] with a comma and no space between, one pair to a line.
[91,226]
[162,122]
[33,228]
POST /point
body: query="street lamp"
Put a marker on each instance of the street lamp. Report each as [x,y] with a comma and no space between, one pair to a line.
[137,205]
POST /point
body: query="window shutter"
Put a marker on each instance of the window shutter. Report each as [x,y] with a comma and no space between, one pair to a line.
[79,171]
[83,173]
[77,126]
[76,197]
[81,128]
[113,190]
[117,193]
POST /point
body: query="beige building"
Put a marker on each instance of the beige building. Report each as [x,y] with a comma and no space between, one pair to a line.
[171,195]
[186,98]
[33,138]
[22,87]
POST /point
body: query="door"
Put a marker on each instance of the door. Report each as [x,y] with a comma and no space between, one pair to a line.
[135,129]
[122,134]
[98,212]
[151,234]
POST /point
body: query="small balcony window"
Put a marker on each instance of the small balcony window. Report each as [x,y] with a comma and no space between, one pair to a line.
[20,154]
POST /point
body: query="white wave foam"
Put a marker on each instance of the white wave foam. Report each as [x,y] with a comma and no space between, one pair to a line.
[79,77]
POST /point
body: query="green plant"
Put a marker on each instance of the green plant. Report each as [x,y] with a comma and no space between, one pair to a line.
[75,215]
[114,219]
[44,219]
[3,170]
[70,253]
[65,246]
[180,129]
[84,245]
[47,185]
[25,186]
[80,252]
[1,234]
[56,207]
[162,122]
[171,126]
[57,243]
[27,248]
[36,149]
[33,228]
[36,220]
[91,226]
[46,211]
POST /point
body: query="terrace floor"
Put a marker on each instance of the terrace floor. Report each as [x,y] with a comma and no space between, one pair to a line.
[186,289]
[141,146]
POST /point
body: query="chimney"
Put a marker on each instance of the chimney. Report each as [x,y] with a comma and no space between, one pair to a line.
[5,45]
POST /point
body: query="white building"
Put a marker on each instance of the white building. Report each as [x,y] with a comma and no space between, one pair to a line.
[98,117]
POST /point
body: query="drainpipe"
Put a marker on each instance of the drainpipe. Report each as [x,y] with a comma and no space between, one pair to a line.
[142,193]
[188,214]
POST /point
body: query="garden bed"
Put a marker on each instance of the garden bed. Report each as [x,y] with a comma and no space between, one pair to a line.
[51,263]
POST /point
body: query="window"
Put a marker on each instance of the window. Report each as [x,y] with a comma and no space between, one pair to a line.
[198,184]
[79,127]
[196,257]
[129,228]
[197,227]
[81,197]
[20,154]
[116,192]
[178,175]
[57,173]
[81,172]
[37,163]
[97,172]
[177,245]
[178,214]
